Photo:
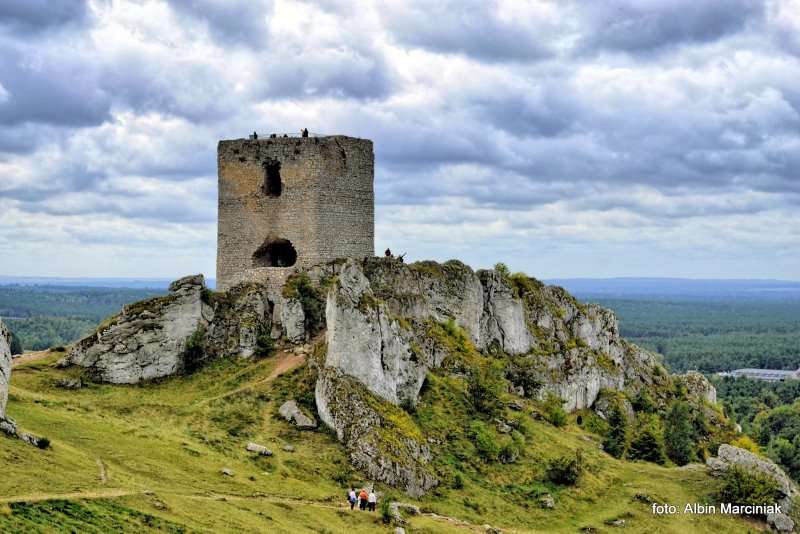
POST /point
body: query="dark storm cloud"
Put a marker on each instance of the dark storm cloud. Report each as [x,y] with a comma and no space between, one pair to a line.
[38,15]
[634,25]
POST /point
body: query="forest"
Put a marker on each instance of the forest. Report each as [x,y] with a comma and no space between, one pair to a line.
[716,334]
[48,316]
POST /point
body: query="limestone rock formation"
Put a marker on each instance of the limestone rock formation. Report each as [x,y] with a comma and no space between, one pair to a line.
[176,333]
[379,310]
[729,456]
[699,387]
[380,319]
[147,339]
[292,413]
[376,446]
[5,367]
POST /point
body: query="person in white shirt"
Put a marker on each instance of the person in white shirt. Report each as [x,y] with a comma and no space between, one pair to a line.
[372,500]
[351,498]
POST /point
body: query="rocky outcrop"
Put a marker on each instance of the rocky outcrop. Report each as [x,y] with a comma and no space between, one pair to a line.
[389,324]
[5,367]
[379,436]
[699,387]
[175,333]
[147,339]
[378,313]
[366,342]
[729,456]
[7,425]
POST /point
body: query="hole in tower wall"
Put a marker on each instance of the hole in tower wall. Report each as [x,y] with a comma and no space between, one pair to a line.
[275,253]
[272,178]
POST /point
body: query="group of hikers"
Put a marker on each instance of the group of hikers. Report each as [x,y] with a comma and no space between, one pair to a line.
[366,501]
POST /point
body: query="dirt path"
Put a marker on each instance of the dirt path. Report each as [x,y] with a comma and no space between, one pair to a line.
[284,362]
[29,357]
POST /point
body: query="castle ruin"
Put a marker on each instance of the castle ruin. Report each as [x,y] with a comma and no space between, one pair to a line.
[291,202]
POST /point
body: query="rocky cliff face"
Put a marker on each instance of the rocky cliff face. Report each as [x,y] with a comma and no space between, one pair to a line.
[147,339]
[384,335]
[379,313]
[5,367]
[177,333]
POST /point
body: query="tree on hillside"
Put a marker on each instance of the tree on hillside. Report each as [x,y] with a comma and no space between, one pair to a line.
[484,387]
[616,440]
[16,345]
[678,433]
[648,440]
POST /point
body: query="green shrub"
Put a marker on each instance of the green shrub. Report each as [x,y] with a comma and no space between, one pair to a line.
[566,470]
[678,436]
[553,408]
[615,441]
[643,402]
[194,351]
[43,443]
[386,511]
[484,439]
[265,345]
[484,387]
[648,441]
[523,373]
[16,345]
[458,481]
[502,269]
[743,487]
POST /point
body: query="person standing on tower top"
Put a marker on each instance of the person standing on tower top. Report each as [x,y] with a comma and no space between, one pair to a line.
[304,132]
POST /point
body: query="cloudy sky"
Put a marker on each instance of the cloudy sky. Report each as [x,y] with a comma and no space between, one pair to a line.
[592,139]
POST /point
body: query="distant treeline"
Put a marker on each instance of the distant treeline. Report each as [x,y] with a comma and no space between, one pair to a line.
[47,316]
[717,335]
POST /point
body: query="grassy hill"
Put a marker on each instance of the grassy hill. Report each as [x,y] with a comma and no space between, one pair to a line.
[134,458]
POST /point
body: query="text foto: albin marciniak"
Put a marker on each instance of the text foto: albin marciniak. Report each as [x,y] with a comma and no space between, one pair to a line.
[727,508]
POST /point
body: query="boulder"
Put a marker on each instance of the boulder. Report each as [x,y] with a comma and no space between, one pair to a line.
[5,367]
[259,449]
[780,522]
[729,456]
[292,413]
[69,383]
[293,320]
[547,501]
[227,472]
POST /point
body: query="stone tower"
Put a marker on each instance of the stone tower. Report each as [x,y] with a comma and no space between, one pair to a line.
[290,202]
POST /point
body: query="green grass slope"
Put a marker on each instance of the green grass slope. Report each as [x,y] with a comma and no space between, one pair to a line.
[149,458]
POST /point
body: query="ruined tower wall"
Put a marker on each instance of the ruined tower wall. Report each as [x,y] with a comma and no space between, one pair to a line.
[325,207]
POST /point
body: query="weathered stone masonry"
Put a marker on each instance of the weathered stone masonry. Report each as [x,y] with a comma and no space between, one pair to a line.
[280,197]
